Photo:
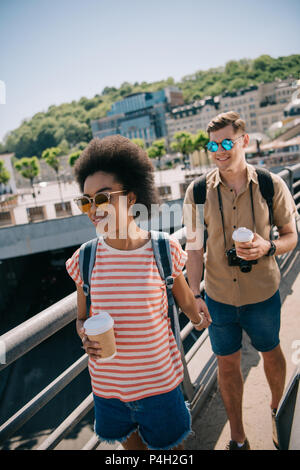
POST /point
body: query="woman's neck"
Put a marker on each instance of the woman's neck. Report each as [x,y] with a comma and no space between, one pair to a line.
[135,238]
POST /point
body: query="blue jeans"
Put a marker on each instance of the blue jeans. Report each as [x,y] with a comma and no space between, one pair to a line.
[163,421]
[261,321]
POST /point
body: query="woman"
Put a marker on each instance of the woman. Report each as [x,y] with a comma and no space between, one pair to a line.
[137,396]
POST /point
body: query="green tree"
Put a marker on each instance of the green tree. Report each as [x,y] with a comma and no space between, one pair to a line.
[200,140]
[237,83]
[232,67]
[73,157]
[262,63]
[25,142]
[4,174]
[64,146]
[184,144]
[157,150]
[76,131]
[139,142]
[47,134]
[126,89]
[29,167]
[81,145]
[51,158]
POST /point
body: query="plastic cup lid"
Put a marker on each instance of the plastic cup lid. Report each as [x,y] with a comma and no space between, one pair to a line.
[242,234]
[98,324]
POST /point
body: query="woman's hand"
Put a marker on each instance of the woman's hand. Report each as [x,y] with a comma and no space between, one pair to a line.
[204,314]
[92,348]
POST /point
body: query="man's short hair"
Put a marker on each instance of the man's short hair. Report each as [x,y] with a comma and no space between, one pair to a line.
[225,119]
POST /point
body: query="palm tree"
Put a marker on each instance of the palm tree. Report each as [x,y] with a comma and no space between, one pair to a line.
[157,150]
[29,168]
[184,144]
[200,141]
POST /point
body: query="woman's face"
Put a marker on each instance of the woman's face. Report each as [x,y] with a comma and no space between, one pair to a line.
[109,218]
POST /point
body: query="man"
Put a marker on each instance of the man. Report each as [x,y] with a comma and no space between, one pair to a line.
[239,300]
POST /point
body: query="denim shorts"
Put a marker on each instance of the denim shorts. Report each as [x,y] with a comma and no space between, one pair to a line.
[163,421]
[261,321]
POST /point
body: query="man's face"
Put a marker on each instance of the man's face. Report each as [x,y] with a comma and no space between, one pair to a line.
[227,160]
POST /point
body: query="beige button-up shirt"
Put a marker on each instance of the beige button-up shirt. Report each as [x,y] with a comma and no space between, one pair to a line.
[228,284]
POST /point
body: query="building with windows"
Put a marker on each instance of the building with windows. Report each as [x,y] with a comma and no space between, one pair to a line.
[259,105]
[139,115]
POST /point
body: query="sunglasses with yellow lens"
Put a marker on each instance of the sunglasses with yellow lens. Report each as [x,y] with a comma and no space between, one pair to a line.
[102,198]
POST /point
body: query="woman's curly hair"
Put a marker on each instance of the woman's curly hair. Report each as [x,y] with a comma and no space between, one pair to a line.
[129,163]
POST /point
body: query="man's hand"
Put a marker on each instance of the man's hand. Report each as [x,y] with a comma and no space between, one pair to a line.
[203,310]
[256,249]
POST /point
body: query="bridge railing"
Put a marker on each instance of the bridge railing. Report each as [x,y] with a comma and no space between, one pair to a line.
[26,336]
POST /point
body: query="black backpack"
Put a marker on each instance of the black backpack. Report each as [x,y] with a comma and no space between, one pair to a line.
[266,187]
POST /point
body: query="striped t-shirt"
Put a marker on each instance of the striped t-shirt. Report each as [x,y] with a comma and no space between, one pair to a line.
[127,285]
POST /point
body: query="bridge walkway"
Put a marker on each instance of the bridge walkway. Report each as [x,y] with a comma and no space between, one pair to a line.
[211,426]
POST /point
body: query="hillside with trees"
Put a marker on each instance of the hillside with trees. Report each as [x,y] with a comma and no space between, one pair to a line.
[68,125]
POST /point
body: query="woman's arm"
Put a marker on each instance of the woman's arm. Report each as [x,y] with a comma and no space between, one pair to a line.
[188,304]
[81,311]
[92,348]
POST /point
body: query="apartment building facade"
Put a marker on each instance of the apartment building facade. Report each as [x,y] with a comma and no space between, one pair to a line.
[139,115]
[259,105]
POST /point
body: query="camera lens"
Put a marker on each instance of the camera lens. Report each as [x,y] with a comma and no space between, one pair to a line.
[245,266]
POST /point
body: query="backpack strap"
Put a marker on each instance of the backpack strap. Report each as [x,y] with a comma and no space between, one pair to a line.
[87,255]
[266,187]
[199,190]
[199,193]
[162,254]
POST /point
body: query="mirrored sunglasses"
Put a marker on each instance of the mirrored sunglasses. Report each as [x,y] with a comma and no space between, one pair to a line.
[227,144]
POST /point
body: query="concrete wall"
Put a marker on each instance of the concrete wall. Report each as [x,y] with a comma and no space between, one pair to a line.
[26,239]
[47,235]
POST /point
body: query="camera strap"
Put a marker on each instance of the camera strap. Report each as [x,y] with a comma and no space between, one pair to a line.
[222,213]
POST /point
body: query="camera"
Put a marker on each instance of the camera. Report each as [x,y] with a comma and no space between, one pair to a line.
[234,260]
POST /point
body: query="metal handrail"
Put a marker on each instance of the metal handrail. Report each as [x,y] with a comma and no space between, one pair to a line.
[39,401]
[32,332]
[68,424]
[37,329]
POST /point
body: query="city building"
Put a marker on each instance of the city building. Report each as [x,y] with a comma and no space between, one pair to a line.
[259,105]
[139,115]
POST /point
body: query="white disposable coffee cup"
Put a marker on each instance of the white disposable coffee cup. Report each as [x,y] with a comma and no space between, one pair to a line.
[242,235]
[99,328]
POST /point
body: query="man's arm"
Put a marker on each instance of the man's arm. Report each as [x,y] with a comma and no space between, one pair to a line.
[259,247]
[194,269]
[193,219]
[188,304]
[288,238]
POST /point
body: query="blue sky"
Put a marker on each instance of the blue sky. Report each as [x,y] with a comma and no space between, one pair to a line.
[55,51]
